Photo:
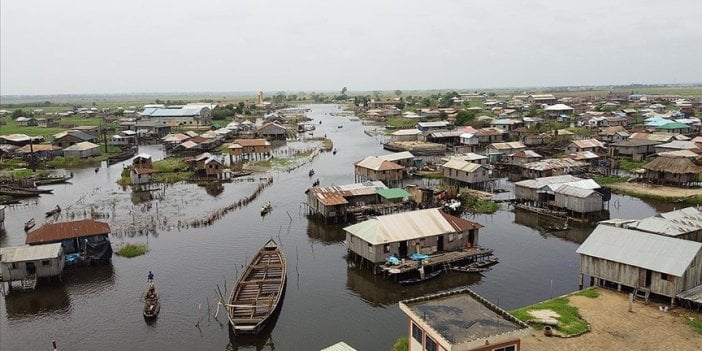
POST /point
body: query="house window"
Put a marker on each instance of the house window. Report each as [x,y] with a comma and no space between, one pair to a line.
[13,265]
[45,263]
[370,248]
[507,348]
[430,345]
[386,248]
[450,237]
[417,333]
[664,276]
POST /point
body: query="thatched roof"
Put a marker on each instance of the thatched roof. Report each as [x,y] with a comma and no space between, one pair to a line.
[675,165]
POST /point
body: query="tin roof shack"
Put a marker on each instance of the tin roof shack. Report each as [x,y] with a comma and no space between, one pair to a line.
[30,263]
[142,161]
[401,234]
[460,171]
[638,149]
[249,149]
[429,126]
[405,135]
[41,151]
[404,158]
[393,195]
[578,200]
[332,202]
[376,169]
[461,320]
[553,167]
[648,262]
[84,241]
[139,176]
[520,158]
[685,223]
[82,150]
[272,131]
[614,134]
[592,145]
[677,145]
[676,171]
[72,137]
[497,151]
[538,189]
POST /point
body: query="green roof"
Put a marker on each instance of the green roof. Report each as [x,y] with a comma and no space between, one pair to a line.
[394,193]
[673,125]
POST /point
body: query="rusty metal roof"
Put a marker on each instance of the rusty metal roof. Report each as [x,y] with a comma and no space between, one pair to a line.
[54,232]
[337,194]
[252,142]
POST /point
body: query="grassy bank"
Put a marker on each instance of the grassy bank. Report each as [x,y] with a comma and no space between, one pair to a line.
[132,250]
[569,320]
[684,199]
[400,123]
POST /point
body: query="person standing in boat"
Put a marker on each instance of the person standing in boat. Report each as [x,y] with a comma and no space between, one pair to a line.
[150,277]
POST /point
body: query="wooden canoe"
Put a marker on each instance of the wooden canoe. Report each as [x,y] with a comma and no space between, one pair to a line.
[257,293]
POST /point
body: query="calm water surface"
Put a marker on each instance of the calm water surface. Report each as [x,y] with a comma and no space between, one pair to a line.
[99,308]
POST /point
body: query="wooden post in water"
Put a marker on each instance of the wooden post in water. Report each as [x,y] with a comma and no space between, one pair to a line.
[631,302]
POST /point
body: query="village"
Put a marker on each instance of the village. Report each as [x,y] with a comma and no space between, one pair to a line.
[404,211]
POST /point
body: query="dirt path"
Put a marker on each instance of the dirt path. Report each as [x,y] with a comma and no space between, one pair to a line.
[658,190]
[614,328]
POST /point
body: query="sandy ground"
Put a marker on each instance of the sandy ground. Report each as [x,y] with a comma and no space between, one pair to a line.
[614,328]
[658,190]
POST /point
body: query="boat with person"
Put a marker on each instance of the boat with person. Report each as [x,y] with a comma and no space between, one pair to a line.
[54,212]
[311,172]
[477,266]
[152,302]
[266,208]
[29,224]
[259,290]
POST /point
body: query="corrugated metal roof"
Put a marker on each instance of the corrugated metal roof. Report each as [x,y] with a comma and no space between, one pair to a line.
[336,195]
[671,223]
[82,146]
[29,253]
[570,190]
[377,164]
[393,193]
[554,163]
[473,157]
[397,156]
[65,230]
[635,248]
[433,124]
[508,145]
[525,154]
[252,142]
[409,226]
[679,144]
[406,132]
[461,165]
[587,143]
[446,134]
[339,346]
[539,183]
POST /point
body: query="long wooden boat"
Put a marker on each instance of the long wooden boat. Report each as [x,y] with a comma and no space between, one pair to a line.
[30,190]
[152,303]
[17,193]
[122,156]
[52,180]
[53,212]
[477,266]
[258,291]
[420,278]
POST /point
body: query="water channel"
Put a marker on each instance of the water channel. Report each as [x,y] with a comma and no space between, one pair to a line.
[99,308]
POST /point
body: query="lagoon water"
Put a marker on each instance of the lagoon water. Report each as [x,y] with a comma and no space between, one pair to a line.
[327,300]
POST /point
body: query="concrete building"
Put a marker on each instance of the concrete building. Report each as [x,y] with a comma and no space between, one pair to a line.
[461,320]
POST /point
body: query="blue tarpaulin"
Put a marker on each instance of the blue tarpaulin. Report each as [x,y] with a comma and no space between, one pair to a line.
[418,257]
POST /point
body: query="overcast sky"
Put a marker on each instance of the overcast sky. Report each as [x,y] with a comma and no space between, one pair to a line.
[51,47]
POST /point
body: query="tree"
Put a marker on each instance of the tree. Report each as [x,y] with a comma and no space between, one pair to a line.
[464,117]
[344,90]
[376,95]
[398,92]
[20,113]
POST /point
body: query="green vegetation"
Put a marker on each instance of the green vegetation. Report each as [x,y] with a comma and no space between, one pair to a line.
[692,200]
[13,164]
[132,250]
[569,320]
[401,344]
[303,153]
[73,162]
[696,324]
[589,292]
[327,144]
[579,131]
[66,122]
[171,170]
[602,180]
[480,206]
[629,165]
[400,123]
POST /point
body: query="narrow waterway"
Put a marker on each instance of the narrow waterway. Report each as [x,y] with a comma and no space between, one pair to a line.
[99,308]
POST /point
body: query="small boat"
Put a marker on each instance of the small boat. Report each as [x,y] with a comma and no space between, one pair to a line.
[420,278]
[316,182]
[266,208]
[340,126]
[152,302]
[52,180]
[17,193]
[122,156]
[29,224]
[311,172]
[477,266]
[334,152]
[258,292]
[54,212]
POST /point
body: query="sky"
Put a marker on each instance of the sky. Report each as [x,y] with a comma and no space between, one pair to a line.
[133,46]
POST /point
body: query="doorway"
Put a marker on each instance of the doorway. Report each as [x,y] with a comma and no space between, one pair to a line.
[31,268]
[403,249]
[440,243]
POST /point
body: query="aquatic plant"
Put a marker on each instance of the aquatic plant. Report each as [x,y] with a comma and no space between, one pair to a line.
[132,250]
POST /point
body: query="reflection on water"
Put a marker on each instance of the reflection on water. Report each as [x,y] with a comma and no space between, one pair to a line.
[576,232]
[49,299]
[90,279]
[325,233]
[381,292]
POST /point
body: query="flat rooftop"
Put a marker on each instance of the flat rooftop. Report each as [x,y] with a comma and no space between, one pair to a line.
[463,316]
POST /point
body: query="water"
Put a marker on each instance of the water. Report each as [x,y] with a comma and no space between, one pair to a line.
[326,301]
